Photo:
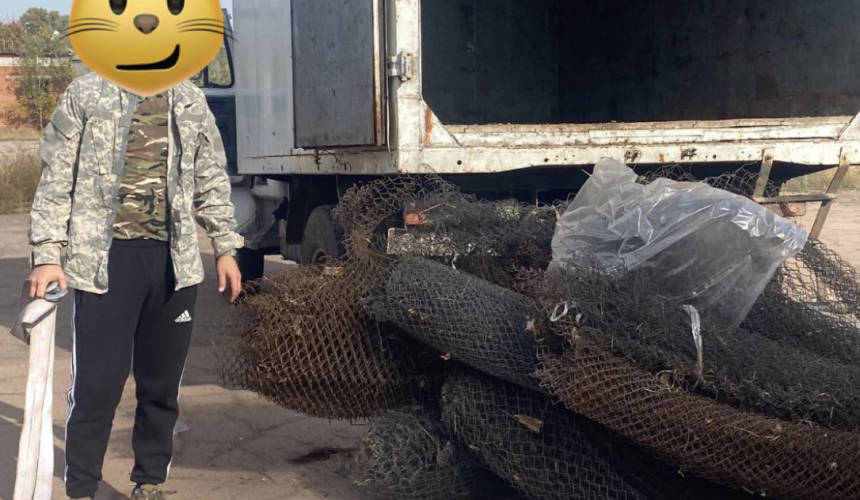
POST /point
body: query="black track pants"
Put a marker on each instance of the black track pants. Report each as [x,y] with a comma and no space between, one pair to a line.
[141,322]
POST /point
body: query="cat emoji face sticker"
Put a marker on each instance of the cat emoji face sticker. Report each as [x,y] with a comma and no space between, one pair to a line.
[146,46]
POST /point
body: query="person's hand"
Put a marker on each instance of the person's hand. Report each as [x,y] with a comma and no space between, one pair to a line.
[228,273]
[44,275]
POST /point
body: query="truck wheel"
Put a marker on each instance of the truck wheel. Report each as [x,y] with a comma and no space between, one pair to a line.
[251,263]
[321,239]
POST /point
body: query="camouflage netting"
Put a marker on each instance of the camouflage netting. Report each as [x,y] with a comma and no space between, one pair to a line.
[766,456]
[471,320]
[410,457]
[548,453]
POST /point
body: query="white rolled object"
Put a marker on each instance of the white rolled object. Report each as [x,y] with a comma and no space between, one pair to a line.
[36,326]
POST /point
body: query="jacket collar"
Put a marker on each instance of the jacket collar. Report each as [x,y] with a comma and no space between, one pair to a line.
[182,94]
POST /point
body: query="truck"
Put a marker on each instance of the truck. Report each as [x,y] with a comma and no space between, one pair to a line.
[520,98]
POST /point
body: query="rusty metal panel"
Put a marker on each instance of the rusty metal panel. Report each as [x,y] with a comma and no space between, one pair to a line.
[335,72]
[379,73]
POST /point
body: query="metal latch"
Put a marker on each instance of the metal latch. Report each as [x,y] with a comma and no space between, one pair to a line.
[401,66]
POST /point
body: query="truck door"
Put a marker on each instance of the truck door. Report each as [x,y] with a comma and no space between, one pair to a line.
[217,82]
[337,61]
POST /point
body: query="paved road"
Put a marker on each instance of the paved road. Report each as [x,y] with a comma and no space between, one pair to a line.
[238,445]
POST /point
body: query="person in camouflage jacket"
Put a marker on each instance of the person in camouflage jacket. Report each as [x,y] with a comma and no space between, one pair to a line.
[82,153]
[123,180]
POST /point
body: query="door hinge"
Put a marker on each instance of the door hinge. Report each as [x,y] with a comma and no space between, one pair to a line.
[401,66]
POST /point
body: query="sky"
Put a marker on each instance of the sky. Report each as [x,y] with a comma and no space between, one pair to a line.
[11,9]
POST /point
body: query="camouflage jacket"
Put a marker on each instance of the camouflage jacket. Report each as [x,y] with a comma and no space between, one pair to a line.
[83,157]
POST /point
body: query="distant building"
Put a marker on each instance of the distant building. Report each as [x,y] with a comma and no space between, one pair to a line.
[8,85]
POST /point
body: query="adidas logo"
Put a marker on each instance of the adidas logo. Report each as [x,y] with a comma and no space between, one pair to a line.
[184,317]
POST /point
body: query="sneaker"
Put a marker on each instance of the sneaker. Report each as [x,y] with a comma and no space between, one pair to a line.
[147,492]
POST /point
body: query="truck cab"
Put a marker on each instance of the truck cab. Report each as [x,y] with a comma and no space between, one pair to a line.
[519,99]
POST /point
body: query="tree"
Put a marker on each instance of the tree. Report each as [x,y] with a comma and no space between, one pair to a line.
[45,65]
[34,22]
[12,37]
[41,22]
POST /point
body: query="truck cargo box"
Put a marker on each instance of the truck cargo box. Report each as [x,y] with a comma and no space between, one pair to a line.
[484,86]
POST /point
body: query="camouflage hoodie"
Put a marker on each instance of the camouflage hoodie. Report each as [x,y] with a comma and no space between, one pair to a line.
[83,156]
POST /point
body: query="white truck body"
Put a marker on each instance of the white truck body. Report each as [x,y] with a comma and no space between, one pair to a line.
[401,133]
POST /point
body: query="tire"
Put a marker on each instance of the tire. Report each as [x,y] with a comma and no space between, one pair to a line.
[251,264]
[322,239]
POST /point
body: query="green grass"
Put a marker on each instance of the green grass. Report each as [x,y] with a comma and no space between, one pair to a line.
[19,178]
[19,134]
[819,182]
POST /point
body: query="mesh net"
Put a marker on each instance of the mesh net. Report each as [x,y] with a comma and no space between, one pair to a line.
[832,277]
[463,317]
[504,271]
[302,340]
[435,220]
[548,453]
[512,433]
[409,457]
[626,313]
[813,302]
[304,344]
[808,305]
[762,455]
[441,266]
[742,181]
[442,221]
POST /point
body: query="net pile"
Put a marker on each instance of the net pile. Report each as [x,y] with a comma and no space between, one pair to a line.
[622,370]
[546,452]
[303,341]
[410,457]
[515,436]
[305,345]
[626,314]
[771,408]
[766,456]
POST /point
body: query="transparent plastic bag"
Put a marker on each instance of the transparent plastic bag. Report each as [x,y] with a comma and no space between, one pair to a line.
[703,246]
